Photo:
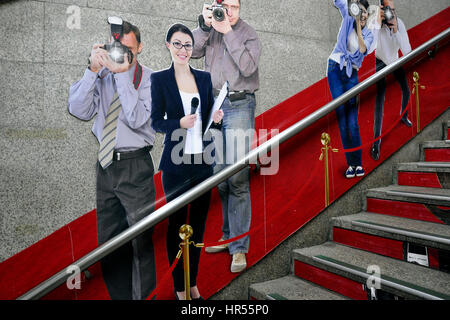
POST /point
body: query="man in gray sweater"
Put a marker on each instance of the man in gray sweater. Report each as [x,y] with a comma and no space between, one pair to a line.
[232,50]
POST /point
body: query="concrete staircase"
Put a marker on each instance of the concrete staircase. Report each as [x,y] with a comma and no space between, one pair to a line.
[398,247]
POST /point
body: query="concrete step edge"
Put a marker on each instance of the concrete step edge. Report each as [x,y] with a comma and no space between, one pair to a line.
[399,286]
[436,144]
[388,227]
[424,166]
[404,232]
[291,287]
[434,196]
[384,280]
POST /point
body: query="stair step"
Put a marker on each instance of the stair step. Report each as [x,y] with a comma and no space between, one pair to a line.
[423,174]
[397,277]
[399,229]
[433,196]
[420,203]
[402,229]
[424,166]
[291,288]
[435,151]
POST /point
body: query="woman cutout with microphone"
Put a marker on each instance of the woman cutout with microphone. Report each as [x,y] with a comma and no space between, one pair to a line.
[353,44]
[182,101]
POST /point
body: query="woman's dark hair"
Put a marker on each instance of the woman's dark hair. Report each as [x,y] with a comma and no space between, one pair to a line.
[179,27]
[365,3]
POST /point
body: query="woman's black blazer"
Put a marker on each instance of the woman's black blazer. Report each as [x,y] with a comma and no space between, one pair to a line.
[167,110]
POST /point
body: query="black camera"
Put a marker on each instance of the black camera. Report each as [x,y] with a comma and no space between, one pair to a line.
[218,11]
[116,50]
[388,13]
[353,8]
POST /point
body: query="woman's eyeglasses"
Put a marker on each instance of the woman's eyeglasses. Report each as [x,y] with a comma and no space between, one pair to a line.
[179,45]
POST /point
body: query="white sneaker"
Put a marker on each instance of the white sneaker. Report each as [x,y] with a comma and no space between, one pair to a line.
[359,171]
[239,263]
[218,248]
[350,173]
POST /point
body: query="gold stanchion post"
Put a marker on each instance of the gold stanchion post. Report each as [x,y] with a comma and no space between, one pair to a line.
[185,234]
[325,139]
[415,90]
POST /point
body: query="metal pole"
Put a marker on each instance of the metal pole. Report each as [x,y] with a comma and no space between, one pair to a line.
[159,215]
[325,140]
[416,89]
[186,233]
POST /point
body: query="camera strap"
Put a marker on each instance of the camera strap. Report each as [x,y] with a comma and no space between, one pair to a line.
[137,75]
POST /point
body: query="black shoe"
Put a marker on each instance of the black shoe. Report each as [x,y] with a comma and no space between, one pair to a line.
[407,122]
[199,298]
[375,152]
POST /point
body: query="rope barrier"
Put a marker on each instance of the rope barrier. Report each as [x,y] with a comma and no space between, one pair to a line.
[282,211]
[383,134]
[431,88]
[164,278]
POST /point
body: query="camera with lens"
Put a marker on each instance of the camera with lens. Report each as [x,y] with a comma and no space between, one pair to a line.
[353,8]
[388,13]
[117,50]
[218,11]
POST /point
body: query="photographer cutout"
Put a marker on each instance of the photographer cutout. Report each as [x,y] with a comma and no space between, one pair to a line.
[353,44]
[232,50]
[392,37]
[182,101]
[116,88]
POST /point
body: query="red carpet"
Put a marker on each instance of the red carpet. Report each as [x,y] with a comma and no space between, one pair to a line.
[293,196]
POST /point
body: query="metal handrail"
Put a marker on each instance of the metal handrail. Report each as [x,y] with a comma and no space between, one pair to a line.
[159,215]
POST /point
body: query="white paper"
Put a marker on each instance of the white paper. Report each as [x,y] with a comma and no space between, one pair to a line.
[218,103]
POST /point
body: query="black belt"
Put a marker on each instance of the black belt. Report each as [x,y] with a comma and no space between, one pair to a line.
[118,156]
[233,95]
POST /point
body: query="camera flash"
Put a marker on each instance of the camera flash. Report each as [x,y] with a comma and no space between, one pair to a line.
[115,54]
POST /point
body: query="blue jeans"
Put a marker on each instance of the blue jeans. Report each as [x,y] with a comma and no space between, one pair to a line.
[347,114]
[237,135]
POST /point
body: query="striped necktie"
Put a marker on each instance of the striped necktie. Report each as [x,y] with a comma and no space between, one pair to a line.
[108,142]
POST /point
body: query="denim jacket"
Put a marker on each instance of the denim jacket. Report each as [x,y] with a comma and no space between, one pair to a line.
[356,58]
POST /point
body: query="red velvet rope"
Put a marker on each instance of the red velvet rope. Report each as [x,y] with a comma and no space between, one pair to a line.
[282,211]
[382,135]
[428,88]
[431,88]
[164,279]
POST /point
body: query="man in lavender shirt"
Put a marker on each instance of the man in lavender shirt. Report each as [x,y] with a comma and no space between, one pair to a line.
[124,184]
